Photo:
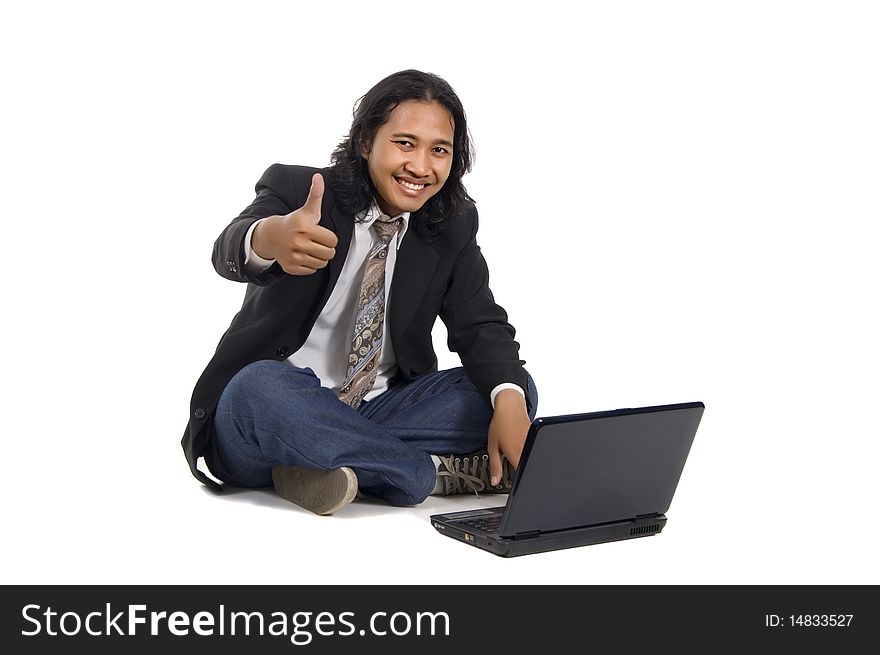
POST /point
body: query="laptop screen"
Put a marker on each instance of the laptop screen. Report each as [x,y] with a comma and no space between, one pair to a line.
[584,469]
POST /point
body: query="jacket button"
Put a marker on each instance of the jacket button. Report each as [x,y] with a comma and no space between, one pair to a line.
[282,352]
[199,413]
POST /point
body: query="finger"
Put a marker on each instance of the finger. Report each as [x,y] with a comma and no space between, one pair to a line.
[307,261]
[494,466]
[298,270]
[319,251]
[316,194]
[323,236]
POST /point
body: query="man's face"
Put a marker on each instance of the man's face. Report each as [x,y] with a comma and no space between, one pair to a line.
[411,155]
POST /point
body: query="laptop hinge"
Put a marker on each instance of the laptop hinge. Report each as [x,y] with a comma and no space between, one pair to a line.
[531,534]
[646,517]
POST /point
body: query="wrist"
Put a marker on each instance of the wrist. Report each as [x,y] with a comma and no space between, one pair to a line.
[261,240]
[510,400]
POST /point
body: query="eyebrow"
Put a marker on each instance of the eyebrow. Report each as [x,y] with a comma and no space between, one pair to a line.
[413,137]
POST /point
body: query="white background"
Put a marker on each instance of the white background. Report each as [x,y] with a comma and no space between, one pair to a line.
[677,203]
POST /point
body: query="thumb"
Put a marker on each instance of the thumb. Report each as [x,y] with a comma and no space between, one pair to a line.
[316,194]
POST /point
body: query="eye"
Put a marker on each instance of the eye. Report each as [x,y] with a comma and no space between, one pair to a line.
[441,150]
[404,144]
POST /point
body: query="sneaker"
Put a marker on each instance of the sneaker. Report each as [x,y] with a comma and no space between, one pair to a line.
[321,492]
[461,474]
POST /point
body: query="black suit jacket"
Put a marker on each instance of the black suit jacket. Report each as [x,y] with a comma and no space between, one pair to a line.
[447,277]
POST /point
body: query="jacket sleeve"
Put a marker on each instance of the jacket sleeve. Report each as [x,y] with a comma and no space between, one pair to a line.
[477,326]
[229,248]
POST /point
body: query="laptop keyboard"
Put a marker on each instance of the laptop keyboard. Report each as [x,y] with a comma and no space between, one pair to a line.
[489,524]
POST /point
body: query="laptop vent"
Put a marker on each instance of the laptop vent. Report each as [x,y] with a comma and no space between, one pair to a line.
[645,529]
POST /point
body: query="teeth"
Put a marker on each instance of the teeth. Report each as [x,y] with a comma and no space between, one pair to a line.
[414,187]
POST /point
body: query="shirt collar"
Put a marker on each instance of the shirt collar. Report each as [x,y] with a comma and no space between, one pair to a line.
[364,220]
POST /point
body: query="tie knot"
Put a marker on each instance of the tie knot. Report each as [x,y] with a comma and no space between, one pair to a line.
[387,228]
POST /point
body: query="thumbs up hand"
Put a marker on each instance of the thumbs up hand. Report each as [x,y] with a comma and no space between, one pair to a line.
[296,240]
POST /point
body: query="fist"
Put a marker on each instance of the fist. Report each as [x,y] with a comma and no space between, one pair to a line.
[295,240]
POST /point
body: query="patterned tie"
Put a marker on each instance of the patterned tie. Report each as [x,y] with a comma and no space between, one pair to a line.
[366,345]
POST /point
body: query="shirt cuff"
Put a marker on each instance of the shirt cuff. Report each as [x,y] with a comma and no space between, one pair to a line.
[252,260]
[502,387]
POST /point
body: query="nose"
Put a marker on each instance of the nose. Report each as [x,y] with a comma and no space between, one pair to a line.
[419,163]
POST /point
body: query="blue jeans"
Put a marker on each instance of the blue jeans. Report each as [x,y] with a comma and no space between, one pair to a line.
[273,413]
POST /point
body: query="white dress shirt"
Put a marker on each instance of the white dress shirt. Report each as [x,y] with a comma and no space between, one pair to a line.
[326,348]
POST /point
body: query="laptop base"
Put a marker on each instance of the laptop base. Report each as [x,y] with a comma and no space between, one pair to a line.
[542,542]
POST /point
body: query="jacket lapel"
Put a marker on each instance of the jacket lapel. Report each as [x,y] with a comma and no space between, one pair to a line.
[412,272]
[343,225]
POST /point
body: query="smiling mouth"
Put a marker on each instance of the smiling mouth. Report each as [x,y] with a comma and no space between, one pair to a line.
[410,185]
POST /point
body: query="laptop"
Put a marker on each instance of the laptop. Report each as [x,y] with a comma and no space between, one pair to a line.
[586,479]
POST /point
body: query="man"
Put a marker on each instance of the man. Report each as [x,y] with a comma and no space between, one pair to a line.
[326,381]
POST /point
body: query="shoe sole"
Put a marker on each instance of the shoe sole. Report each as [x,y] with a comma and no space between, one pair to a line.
[321,492]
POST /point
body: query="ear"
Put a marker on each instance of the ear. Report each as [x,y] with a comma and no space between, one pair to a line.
[365,151]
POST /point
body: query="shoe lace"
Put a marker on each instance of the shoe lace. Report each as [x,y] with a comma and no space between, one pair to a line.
[469,474]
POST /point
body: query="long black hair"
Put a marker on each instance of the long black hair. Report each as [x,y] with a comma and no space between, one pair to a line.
[352,183]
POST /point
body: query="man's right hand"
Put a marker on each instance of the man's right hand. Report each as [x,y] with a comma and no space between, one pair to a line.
[296,241]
